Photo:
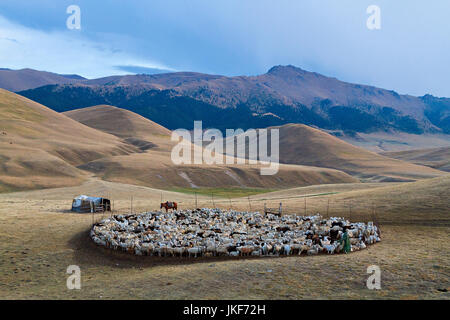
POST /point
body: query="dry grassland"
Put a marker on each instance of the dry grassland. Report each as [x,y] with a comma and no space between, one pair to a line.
[39,238]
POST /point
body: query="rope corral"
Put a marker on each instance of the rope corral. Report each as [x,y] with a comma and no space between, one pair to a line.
[216,232]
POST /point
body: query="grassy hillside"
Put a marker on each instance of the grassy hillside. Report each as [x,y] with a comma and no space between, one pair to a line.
[392,141]
[41,148]
[421,202]
[132,128]
[117,121]
[304,145]
[438,158]
[153,167]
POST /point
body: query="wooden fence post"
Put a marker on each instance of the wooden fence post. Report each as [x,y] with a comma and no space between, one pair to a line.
[131,205]
[328,206]
[350,211]
[196,205]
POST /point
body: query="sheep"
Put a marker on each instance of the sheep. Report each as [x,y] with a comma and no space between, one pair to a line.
[194,251]
[247,250]
[325,241]
[339,247]
[169,251]
[147,248]
[221,250]
[330,248]
[256,252]
[313,251]
[138,251]
[212,232]
[287,249]
[266,249]
[277,248]
[296,247]
[211,249]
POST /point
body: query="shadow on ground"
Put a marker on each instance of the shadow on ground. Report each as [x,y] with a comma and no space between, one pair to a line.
[86,252]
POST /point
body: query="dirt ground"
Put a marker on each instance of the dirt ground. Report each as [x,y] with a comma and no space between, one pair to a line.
[40,238]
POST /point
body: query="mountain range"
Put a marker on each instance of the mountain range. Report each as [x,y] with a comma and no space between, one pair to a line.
[285,94]
[17,80]
[41,148]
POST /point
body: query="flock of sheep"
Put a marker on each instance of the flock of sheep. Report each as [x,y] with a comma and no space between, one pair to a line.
[215,232]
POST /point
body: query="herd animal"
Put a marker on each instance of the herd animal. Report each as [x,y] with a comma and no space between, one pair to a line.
[216,232]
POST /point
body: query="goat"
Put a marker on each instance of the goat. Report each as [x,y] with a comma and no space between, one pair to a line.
[211,232]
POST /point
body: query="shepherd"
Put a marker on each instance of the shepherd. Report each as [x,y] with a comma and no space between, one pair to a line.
[169,205]
[346,240]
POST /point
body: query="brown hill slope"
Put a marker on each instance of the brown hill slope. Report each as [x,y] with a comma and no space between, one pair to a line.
[133,128]
[41,148]
[301,144]
[24,79]
[438,158]
[392,141]
[421,202]
[117,121]
[154,167]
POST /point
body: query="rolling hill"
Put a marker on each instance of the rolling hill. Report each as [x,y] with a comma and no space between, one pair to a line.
[393,141]
[423,202]
[24,79]
[303,145]
[116,121]
[154,168]
[133,128]
[438,158]
[41,148]
[285,94]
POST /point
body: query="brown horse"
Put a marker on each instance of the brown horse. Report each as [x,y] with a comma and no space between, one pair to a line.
[169,205]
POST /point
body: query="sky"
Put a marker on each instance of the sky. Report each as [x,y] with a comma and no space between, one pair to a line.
[408,54]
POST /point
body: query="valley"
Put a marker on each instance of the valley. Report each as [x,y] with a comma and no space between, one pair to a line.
[121,153]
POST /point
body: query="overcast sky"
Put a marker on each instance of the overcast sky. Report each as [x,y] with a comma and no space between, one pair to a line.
[409,54]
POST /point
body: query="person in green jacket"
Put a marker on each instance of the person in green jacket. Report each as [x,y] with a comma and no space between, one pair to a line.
[345,238]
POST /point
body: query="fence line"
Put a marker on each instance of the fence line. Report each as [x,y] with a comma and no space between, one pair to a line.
[318,203]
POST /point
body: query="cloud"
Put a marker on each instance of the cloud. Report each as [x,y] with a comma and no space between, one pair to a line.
[235,37]
[10,39]
[67,52]
[144,70]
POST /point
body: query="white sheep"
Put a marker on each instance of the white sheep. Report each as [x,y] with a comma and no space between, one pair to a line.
[212,232]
